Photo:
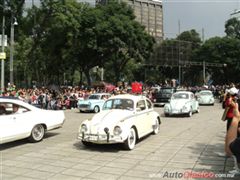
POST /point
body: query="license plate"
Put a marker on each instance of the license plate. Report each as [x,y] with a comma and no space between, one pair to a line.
[93,138]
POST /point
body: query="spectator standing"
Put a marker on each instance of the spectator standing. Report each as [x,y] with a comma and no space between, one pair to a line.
[231,108]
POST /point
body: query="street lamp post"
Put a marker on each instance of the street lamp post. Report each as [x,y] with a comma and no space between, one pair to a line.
[3,41]
[13,23]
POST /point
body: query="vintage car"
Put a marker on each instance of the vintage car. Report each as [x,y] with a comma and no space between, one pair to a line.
[161,97]
[19,120]
[124,119]
[182,102]
[205,97]
[93,103]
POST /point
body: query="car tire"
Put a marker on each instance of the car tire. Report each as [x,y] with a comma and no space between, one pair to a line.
[96,109]
[166,115]
[130,142]
[190,113]
[86,143]
[198,110]
[37,133]
[156,127]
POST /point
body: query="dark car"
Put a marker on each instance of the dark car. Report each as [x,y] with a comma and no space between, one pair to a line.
[163,96]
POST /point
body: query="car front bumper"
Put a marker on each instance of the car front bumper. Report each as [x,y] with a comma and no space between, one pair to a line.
[100,138]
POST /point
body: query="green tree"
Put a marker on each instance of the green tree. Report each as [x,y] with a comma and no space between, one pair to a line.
[222,51]
[121,39]
[232,28]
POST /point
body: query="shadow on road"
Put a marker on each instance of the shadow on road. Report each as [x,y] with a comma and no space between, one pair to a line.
[24,141]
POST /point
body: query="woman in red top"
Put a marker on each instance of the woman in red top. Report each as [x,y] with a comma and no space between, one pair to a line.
[232,105]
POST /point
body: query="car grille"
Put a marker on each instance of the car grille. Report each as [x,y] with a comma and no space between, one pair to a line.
[83,106]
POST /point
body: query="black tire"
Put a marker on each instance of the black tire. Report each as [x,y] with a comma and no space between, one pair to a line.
[37,133]
[85,143]
[156,127]
[190,113]
[130,142]
[166,115]
[96,109]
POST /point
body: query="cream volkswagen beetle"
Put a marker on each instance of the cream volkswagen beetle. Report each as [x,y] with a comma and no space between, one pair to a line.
[123,119]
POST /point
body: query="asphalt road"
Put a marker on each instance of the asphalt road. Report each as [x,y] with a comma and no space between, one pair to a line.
[184,145]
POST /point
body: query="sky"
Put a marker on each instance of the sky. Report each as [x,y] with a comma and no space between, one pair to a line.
[207,17]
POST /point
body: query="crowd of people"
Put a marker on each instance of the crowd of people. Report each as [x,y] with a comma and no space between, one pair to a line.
[58,98]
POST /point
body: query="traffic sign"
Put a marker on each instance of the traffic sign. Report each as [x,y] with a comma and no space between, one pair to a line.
[2,55]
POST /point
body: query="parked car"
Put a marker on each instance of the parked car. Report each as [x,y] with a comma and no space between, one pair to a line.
[124,119]
[205,97]
[182,102]
[93,103]
[163,96]
[19,120]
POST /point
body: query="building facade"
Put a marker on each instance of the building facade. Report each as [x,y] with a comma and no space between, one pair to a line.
[149,13]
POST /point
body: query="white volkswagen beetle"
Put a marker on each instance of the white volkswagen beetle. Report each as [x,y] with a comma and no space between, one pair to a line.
[182,102]
[205,97]
[124,119]
[19,120]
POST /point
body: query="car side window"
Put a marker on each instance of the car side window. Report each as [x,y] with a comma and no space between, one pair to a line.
[3,110]
[141,106]
[15,109]
[149,104]
[108,105]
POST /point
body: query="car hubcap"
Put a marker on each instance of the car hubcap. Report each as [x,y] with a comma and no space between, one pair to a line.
[38,132]
[131,138]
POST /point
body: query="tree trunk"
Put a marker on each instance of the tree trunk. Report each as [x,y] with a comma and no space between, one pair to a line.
[87,74]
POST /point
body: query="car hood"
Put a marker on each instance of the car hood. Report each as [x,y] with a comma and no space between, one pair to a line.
[88,101]
[205,97]
[108,118]
[177,104]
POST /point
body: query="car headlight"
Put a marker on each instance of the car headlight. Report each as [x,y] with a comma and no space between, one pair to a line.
[117,130]
[83,128]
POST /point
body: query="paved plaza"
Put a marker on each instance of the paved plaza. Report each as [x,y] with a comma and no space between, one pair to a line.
[183,146]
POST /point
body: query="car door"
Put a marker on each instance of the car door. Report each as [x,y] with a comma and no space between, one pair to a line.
[15,125]
[141,118]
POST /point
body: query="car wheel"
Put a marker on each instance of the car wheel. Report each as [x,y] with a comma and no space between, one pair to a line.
[156,127]
[198,110]
[166,115]
[190,113]
[96,109]
[130,142]
[85,143]
[37,133]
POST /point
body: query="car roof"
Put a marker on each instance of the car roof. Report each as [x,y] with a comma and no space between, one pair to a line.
[187,92]
[100,94]
[129,96]
[16,101]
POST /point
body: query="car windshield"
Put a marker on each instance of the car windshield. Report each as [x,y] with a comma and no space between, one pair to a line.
[94,97]
[180,96]
[205,93]
[125,104]
[166,91]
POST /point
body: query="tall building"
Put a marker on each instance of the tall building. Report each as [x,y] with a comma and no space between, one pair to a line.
[150,14]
